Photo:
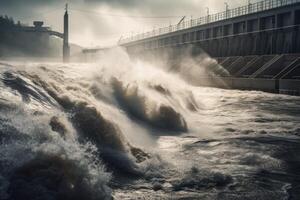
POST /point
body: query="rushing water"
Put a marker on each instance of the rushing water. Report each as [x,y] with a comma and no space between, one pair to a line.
[129,130]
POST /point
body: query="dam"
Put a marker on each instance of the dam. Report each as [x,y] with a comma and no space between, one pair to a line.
[257,44]
[149,118]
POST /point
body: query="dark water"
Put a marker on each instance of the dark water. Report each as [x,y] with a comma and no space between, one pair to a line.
[131,131]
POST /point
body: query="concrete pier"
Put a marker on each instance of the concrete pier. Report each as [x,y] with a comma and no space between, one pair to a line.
[66,47]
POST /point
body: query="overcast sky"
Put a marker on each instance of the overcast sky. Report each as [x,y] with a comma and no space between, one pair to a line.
[103,22]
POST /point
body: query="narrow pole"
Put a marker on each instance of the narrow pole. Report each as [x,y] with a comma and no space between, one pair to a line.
[66,47]
[207,18]
[249,6]
[226,10]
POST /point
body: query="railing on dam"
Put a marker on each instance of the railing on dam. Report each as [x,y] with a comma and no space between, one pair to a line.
[230,13]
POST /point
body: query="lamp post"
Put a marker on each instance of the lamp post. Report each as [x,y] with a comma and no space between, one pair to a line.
[249,6]
[227,9]
[207,11]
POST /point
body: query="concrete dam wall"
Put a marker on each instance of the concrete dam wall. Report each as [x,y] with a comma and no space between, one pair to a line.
[258,44]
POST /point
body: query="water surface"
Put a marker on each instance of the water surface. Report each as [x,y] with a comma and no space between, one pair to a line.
[129,130]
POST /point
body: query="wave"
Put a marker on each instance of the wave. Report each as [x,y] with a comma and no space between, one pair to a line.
[24,87]
[53,177]
[149,111]
[37,162]
[65,134]
[92,126]
[46,138]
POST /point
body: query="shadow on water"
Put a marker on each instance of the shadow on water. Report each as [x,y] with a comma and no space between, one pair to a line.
[288,150]
[261,167]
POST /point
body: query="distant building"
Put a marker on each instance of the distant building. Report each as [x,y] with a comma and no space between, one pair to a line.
[38,24]
[20,40]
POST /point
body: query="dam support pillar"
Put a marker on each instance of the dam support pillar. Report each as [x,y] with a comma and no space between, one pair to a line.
[66,47]
[294,31]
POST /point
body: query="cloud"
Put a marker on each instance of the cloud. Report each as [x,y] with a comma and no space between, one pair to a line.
[124,3]
[151,6]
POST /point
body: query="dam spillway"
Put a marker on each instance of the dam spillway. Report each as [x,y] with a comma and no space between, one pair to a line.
[258,44]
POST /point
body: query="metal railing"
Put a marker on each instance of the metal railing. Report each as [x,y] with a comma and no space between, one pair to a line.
[230,13]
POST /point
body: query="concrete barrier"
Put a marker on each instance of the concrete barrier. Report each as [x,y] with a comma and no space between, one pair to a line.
[291,87]
[283,86]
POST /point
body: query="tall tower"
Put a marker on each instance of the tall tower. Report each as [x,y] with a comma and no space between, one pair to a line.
[66,47]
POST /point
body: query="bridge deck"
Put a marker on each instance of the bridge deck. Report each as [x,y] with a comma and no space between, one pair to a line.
[35,30]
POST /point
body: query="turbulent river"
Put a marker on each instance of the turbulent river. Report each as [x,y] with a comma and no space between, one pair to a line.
[129,130]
